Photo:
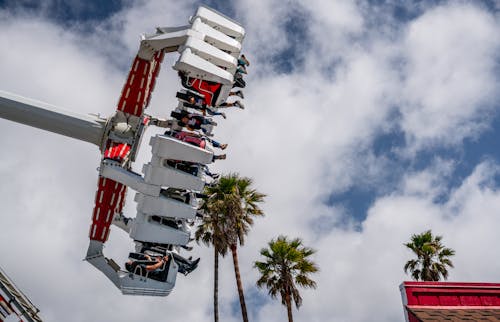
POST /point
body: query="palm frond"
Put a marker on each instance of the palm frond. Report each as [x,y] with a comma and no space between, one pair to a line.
[432,257]
[285,266]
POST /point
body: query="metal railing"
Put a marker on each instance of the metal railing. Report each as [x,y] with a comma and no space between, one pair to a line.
[23,306]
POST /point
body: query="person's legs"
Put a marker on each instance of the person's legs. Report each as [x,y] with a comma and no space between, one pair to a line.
[186,262]
[208,173]
[237,93]
[211,112]
[219,157]
[242,61]
[207,121]
[241,70]
[237,103]
[216,144]
[239,82]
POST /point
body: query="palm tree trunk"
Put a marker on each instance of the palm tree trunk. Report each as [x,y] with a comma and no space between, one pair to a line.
[216,285]
[288,301]
[238,283]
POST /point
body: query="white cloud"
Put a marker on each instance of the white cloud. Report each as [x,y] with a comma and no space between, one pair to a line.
[429,182]
[450,82]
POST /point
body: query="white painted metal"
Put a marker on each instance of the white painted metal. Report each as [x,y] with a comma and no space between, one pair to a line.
[132,284]
[210,53]
[113,170]
[165,207]
[194,66]
[220,22]
[404,299]
[96,257]
[170,177]
[47,117]
[128,283]
[122,222]
[217,38]
[168,39]
[224,94]
[167,147]
[145,229]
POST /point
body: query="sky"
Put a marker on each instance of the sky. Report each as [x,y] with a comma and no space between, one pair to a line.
[365,122]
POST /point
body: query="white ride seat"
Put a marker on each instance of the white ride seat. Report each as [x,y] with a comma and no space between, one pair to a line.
[165,207]
[159,175]
[129,283]
[137,284]
[146,229]
[215,37]
[216,32]
[194,66]
[220,22]
[167,147]
[210,53]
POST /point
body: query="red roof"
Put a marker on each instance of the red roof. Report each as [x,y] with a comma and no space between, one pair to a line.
[448,301]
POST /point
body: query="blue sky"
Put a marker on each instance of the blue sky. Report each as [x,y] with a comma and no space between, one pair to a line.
[366,122]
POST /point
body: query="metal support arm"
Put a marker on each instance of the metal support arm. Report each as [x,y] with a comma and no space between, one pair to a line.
[50,118]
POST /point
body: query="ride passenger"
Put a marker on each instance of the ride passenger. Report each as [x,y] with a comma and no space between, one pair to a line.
[236,103]
[192,121]
[198,104]
[195,139]
[147,264]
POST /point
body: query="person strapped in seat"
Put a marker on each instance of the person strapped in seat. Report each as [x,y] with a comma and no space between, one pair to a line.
[152,267]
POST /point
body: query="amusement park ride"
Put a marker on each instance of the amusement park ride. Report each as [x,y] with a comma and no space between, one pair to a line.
[210,65]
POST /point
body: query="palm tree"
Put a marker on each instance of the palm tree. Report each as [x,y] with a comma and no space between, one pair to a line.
[211,233]
[286,265]
[240,218]
[231,205]
[432,257]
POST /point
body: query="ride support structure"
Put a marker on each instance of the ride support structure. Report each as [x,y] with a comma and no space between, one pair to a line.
[168,188]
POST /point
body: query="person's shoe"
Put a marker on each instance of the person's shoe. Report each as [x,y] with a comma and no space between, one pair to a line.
[239,104]
[220,157]
[223,146]
[240,94]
